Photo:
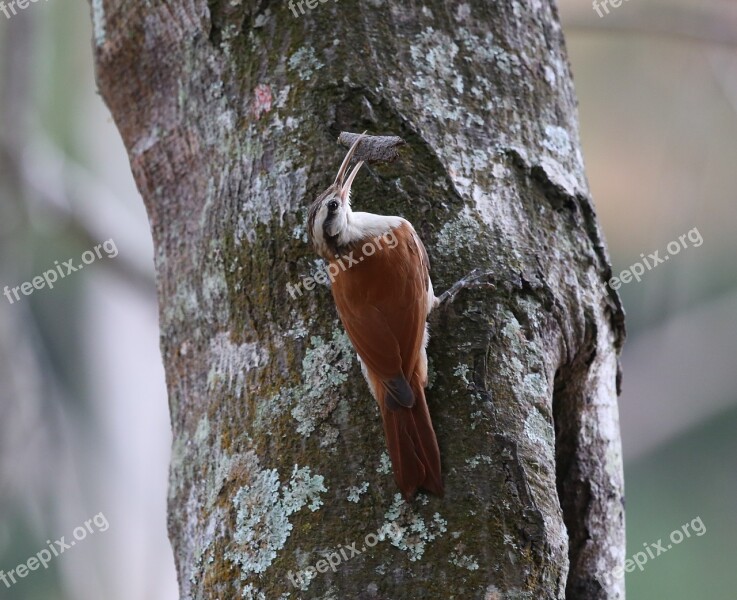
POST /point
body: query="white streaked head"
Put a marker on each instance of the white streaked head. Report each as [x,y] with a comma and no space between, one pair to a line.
[329,214]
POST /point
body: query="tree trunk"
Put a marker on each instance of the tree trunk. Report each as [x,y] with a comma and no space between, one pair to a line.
[230,112]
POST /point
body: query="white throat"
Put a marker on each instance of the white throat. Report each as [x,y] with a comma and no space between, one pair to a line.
[361,225]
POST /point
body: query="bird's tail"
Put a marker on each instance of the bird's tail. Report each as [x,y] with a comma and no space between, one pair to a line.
[412,445]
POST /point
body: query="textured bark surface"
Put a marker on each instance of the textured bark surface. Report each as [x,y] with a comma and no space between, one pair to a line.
[230,113]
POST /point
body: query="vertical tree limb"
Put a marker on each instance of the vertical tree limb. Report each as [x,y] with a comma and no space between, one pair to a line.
[230,114]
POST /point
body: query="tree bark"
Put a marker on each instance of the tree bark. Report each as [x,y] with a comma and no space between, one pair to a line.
[230,113]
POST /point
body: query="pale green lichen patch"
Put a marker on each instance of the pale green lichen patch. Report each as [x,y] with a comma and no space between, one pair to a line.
[299,330]
[433,55]
[557,140]
[533,387]
[459,238]
[536,384]
[462,12]
[98,22]
[475,461]
[385,464]
[325,369]
[299,231]
[263,510]
[462,371]
[355,492]
[252,593]
[303,489]
[305,62]
[463,561]
[408,531]
[486,50]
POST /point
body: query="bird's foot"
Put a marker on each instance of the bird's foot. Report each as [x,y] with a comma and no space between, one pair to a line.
[472,280]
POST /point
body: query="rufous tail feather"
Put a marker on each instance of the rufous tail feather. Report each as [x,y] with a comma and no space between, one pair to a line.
[412,445]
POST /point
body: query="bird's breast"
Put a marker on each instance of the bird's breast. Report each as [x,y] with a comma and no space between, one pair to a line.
[380,270]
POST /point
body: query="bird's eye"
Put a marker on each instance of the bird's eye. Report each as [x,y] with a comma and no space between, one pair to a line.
[333,205]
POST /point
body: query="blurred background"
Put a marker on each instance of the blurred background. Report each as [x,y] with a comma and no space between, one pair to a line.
[84,423]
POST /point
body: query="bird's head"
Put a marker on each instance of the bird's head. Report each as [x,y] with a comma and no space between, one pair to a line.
[329,214]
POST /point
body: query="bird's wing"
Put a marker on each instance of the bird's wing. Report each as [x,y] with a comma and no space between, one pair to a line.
[382,303]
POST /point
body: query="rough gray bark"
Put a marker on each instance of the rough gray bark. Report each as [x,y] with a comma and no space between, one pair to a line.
[230,111]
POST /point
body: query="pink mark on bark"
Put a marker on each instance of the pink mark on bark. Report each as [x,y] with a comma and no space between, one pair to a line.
[262,100]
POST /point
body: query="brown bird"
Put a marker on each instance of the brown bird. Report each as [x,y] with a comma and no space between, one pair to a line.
[381,284]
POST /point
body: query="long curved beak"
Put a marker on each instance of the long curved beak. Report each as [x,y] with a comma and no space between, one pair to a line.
[345,189]
[347,160]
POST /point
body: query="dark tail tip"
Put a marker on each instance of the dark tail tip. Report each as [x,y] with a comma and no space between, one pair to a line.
[399,393]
